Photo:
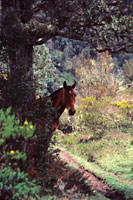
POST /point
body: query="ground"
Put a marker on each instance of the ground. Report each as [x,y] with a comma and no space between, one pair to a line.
[75,182]
[95,183]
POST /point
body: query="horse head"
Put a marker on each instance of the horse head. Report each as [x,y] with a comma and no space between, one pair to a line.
[69,97]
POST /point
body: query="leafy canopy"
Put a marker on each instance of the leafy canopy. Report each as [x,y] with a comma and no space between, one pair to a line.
[107,25]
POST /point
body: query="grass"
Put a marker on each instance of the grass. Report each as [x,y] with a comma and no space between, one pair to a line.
[109,158]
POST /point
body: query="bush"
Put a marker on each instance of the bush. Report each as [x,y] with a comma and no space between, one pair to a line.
[90,116]
[97,116]
[15,185]
[14,140]
[125,109]
[96,77]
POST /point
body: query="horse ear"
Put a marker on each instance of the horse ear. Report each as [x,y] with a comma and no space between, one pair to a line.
[64,84]
[74,85]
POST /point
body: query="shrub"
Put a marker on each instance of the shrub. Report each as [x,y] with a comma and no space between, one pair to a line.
[90,116]
[96,77]
[125,108]
[97,116]
[14,138]
[15,185]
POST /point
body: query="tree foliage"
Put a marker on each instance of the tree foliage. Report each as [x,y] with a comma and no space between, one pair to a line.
[44,72]
[107,25]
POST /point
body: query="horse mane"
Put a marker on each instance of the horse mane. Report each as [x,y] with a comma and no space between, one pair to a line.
[55,93]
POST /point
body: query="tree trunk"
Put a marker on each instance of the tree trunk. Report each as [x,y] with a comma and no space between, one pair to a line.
[20,50]
[21,78]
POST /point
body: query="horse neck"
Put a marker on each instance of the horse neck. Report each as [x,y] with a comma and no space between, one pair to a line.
[58,102]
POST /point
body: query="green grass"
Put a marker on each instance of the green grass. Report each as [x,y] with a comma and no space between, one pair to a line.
[109,158]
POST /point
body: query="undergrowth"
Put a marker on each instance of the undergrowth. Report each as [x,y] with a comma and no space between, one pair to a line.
[15,183]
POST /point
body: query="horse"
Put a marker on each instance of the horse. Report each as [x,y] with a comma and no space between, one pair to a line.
[47,122]
[60,99]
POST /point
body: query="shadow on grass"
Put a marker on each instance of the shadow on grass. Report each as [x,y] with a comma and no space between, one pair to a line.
[62,181]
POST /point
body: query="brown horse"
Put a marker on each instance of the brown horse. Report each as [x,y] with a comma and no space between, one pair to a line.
[61,99]
[46,122]
[64,98]
[47,119]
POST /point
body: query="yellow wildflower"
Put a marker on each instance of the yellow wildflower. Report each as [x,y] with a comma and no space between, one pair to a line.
[12,152]
[31,126]
[5,76]
[124,101]
[85,153]
[26,122]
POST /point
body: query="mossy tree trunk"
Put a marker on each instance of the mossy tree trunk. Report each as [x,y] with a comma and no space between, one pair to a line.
[21,77]
[19,50]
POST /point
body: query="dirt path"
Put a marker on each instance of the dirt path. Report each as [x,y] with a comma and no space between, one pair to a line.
[96,183]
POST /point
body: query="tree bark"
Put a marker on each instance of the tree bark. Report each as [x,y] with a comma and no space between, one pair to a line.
[21,78]
[20,51]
